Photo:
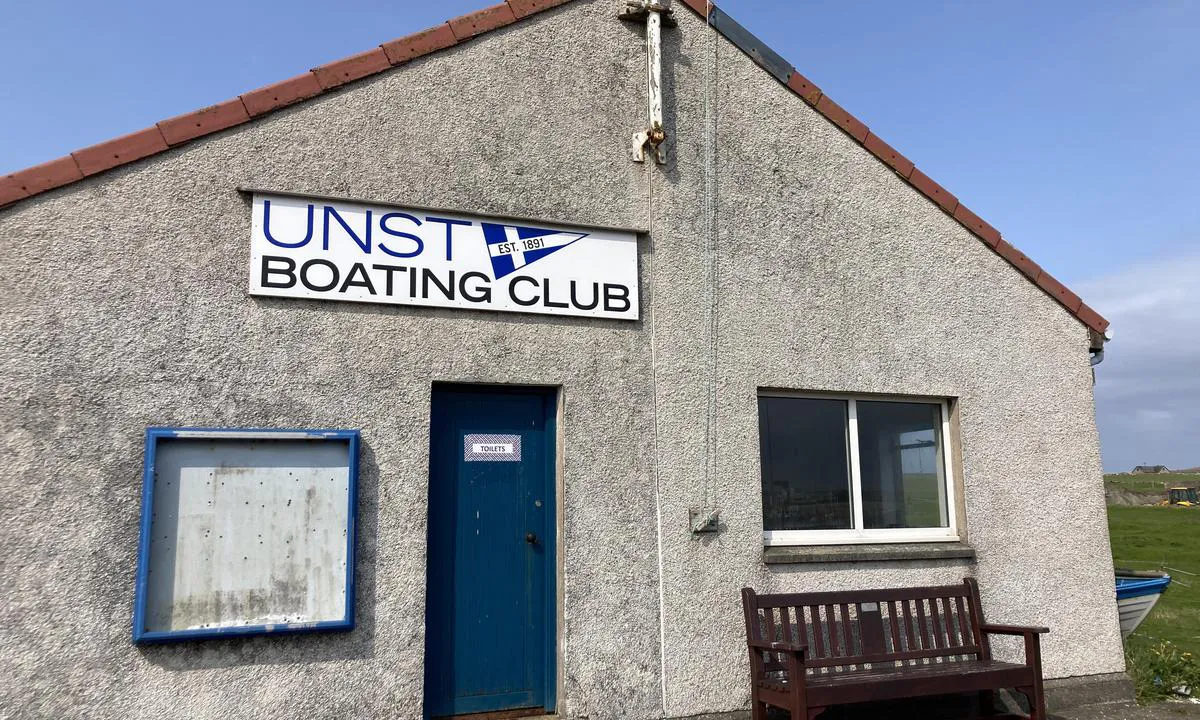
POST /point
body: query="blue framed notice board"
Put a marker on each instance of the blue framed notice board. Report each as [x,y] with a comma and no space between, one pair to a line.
[246,532]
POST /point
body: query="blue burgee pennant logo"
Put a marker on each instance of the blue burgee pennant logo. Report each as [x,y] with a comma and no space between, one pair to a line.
[512,247]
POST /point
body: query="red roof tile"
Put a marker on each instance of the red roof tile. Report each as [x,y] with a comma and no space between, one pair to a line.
[805,88]
[281,94]
[47,176]
[977,225]
[20,185]
[190,126]
[889,155]
[481,21]
[411,46]
[838,116]
[119,151]
[355,67]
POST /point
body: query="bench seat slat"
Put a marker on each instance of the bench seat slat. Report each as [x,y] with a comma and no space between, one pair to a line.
[892,683]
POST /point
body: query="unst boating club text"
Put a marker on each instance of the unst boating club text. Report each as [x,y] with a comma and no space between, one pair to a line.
[360,253]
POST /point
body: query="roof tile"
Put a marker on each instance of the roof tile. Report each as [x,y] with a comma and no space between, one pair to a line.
[1091,318]
[977,225]
[852,125]
[48,175]
[525,8]
[1059,292]
[481,21]
[804,87]
[281,94]
[118,151]
[889,155]
[349,69]
[211,119]
[1018,259]
[10,191]
[933,191]
[412,46]
[700,7]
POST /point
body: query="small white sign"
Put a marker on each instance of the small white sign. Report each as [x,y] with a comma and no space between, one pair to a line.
[335,250]
[491,448]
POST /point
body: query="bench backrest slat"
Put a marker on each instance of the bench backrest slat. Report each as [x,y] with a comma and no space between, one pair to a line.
[855,628]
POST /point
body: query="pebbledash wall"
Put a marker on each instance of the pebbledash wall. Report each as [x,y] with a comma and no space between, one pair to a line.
[126,307]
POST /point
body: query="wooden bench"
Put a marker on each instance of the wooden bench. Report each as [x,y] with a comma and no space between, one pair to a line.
[812,650]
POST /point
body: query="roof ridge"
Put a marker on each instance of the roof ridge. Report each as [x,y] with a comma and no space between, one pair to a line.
[248,106]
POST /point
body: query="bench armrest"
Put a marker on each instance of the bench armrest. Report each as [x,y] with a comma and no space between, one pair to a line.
[787,647]
[1033,642]
[1012,630]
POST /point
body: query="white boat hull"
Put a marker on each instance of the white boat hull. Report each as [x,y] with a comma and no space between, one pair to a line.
[1134,610]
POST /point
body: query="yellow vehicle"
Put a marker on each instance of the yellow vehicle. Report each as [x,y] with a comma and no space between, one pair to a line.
[1185,497]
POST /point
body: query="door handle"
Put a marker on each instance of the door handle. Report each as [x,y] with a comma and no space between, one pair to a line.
[531,538]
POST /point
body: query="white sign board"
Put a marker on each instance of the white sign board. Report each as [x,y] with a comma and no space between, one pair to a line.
[491,448]
[335,250]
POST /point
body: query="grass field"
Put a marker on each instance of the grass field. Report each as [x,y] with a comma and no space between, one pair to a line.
[1151,538]
[1152,483]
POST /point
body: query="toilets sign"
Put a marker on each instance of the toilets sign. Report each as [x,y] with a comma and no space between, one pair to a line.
[335,250]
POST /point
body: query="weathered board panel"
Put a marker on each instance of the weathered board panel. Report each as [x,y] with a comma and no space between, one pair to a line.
[248,533]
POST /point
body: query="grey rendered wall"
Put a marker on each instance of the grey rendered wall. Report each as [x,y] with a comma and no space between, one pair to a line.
[834,275]
[128,309]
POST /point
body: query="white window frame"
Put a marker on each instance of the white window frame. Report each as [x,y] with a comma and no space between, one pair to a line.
[860,535]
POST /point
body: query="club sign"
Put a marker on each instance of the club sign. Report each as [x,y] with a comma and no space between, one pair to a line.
[335,250]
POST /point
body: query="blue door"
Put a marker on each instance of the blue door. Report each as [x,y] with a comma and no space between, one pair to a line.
[489,613]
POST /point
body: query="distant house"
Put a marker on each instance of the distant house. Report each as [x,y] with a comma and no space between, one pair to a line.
[1150,469]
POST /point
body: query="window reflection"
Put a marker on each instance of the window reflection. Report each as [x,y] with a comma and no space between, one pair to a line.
[805,464]
[900,455]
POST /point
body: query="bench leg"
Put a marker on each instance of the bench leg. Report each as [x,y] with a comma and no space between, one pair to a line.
[987,703]
[813,712]
[1037,700]
[758,710]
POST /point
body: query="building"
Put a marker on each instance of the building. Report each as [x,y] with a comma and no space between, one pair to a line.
[672,427]
[1150,470]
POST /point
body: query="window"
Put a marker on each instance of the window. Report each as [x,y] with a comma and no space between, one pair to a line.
[848,470]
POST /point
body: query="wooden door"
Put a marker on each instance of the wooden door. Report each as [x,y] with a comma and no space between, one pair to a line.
[490,610]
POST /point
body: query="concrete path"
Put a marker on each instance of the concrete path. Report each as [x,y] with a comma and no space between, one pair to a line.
[1123,711]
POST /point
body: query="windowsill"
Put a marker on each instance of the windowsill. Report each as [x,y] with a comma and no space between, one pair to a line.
[784,554]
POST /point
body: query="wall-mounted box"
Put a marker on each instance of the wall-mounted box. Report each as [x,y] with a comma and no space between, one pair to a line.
[246,532]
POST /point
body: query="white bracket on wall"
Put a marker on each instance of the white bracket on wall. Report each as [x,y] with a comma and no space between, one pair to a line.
[655,14]
[704,520]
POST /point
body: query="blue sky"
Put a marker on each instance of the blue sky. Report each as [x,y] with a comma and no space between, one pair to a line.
[1069,125]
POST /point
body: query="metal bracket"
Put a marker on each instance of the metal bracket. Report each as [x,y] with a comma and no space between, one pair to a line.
[654,138]
[655,14]
[636,11]
[704,520]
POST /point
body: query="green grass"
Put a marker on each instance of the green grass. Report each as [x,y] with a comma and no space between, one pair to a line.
[1152,483]
[1149,538]
[1152,538]
[922,500]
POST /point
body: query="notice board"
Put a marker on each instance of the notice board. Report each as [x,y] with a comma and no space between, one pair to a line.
[246,532]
